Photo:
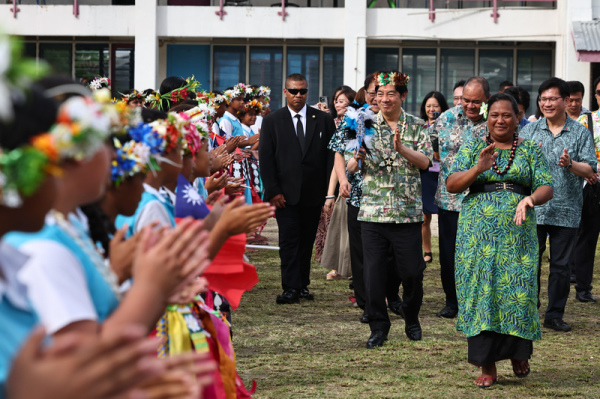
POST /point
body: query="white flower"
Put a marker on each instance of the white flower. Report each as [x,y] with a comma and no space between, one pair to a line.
[192,323]
[102,96]
[483,110]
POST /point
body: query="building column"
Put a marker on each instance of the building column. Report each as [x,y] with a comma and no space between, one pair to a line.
[567,66]
[146,44]
[355,44]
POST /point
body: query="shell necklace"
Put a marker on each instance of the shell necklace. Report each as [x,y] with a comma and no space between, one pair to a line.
[390,160]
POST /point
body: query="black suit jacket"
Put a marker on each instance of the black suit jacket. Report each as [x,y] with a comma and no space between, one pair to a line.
[302,178]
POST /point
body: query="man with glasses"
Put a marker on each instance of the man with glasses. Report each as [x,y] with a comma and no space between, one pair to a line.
[294,169]
[448,133]
[569,148]
[458,92]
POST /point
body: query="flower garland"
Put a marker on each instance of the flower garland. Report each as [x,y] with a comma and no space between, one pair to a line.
[99,83]
[392,159]
[174,96]
[81,128]
[236,91]
[386,78]
[254,105]
[202,117]
[192,141]
[134,95]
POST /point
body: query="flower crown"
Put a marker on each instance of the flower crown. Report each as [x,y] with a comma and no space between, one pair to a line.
[397,79]
[81,128]
[264,91]
[238,90]
[24,169]
[134,95]
[253,105]
[99,83]
[181,93]
[131,158]
[203,117]
[192,142]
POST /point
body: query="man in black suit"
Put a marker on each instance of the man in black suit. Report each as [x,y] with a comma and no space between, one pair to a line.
[294,161]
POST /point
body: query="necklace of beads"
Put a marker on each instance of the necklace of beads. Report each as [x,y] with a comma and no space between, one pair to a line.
[512,153]
[388,160]
[86,245]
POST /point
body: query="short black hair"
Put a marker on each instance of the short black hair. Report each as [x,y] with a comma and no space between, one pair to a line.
[295,77]
[576,86]
[485,85]
[596,81]
[460,83]
[504,97]
[520,95]
[440,99]
[370,78]
[505,84]
[561,85]
[400,89]
[150,115]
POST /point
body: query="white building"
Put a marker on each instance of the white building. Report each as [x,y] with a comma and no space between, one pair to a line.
[330,41]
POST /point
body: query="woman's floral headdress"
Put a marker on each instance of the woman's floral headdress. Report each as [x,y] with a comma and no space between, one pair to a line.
[192,141]
[99,83]
[397,79]
[131,158]
[174,96]
[202,116]
[81,128]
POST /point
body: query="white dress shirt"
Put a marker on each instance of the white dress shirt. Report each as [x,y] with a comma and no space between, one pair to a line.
[302,113]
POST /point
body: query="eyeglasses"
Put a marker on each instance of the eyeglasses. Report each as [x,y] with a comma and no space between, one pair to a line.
[374,93]
[543,100]
[458,98]
[293,92]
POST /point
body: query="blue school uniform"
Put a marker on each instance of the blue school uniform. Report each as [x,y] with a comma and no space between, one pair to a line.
[150,194]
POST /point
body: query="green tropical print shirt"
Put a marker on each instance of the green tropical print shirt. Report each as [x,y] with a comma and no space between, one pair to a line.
[391,184]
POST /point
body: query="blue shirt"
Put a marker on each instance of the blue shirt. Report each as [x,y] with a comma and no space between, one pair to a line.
[564,209]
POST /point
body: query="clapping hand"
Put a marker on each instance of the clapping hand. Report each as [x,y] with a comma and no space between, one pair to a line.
[565,159]
[398,140]
[487,156]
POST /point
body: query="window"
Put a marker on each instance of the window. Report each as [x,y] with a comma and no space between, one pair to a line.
[533,67]
[333,70]
[122,64]
[91,60]
[266,69]
[59,56]
[420,65]
[379,58]
[456,64]
[229,66]
[305,60]
[29,50]
[496,66]
[186,60]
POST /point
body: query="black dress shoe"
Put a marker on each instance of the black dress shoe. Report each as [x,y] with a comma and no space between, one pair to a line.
[413,331]
[288,296]
[364,319]
[557,325]
[447,312]
[377,338]
[585,296]
[306,294]
[396,307]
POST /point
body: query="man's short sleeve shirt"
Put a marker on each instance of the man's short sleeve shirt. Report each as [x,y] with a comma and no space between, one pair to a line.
[391,184]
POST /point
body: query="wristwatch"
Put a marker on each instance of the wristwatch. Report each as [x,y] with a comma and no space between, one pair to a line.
[570,165]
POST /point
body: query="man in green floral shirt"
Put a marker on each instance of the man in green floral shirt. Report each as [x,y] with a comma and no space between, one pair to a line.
[391,210]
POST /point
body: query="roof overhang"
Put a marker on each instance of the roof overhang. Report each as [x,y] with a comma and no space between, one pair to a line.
[586,39]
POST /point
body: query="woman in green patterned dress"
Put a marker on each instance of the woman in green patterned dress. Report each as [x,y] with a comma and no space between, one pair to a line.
[496,245]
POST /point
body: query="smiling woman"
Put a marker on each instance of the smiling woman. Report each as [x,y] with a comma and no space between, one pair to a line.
[496,263]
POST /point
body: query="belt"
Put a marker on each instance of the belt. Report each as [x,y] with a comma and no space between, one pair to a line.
[500,186]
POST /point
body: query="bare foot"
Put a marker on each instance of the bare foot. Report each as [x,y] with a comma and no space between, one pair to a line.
[520,367]
[488,376]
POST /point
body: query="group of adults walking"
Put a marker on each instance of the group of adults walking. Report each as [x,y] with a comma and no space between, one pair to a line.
[502,189]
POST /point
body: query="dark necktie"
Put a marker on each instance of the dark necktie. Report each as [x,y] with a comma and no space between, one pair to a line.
[300,131]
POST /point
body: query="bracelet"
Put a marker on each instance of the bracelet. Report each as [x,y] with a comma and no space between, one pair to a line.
[329,196]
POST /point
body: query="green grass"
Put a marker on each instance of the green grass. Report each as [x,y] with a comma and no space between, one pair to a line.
[317,349]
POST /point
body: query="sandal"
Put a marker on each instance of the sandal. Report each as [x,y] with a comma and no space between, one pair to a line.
[332,275]
[426,254]
[483,380]
[520,364]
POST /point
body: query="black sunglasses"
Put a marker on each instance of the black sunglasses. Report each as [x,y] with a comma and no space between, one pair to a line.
[293,92]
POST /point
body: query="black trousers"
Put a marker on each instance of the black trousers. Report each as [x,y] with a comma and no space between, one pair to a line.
[356,261]
[297,232]
[448,227]
[584,250]
[405,240]
[559,280]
